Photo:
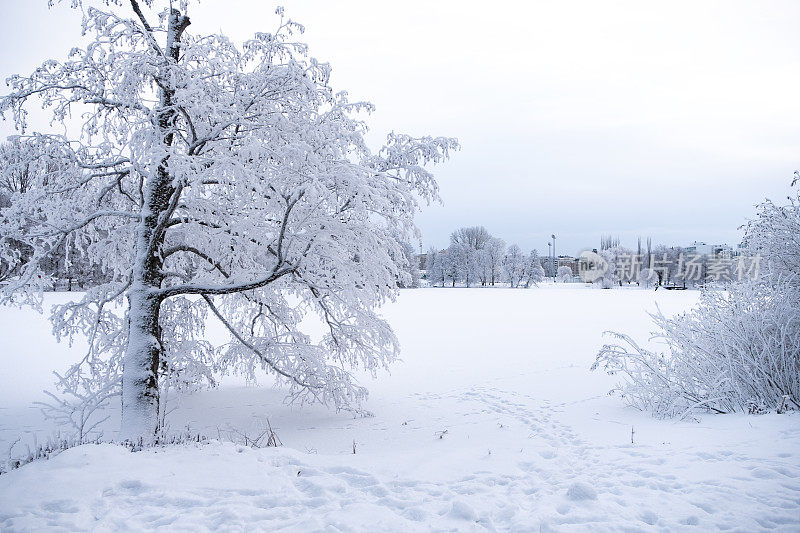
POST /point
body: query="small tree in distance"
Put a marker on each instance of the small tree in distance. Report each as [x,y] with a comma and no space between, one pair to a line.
[208,178]
[609,277]
[514,265]
[435,268]
[494,251]
[564,274]
[534,273]
[647,278]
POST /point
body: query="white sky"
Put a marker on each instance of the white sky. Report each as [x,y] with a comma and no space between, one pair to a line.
[666,119]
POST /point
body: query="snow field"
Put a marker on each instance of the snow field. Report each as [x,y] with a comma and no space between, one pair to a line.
[492,421]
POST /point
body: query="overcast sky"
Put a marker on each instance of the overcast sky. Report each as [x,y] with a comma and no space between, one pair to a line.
[668,119]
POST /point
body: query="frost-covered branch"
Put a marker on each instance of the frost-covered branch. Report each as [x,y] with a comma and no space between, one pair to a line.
[249,345]
[189,288]
[736,352]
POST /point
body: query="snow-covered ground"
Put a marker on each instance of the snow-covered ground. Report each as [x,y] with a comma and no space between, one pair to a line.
[492,421]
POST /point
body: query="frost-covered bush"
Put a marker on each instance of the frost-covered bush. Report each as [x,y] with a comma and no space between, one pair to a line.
[737,351]
[774,236]
[609,278]
[564,274]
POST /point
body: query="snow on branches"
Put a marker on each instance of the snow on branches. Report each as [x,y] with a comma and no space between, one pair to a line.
[211,179]
[737,351]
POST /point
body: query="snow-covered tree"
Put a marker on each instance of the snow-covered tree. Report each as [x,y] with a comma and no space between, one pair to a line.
[664,261]
[547,265]
[207,177]
[608,241]
[564,274]
[493,254]
[609,273]
[466,248]
[647,278]
[451,265]
[22,166]
[18,252]
[475,237]
[465,264]
[482,268]
[411,274]
[434,268]
[627,264]
[514,265]
[534,272]
[620,264]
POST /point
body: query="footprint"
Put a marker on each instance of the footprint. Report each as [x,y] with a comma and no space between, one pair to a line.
[649,517]
[581,491]
[462,511]
[60,506]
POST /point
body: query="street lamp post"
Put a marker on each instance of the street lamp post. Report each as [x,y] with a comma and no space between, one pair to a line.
[555,258]
[550,254]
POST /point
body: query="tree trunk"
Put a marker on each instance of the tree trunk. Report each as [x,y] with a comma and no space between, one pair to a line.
[140,367]
[144,351]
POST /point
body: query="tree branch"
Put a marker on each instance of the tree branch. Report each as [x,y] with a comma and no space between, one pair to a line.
[193,288]
[148,29]
[251,347]
[89,219]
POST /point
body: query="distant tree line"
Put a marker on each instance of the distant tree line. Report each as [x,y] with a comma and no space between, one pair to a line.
[476,258]
[673,266]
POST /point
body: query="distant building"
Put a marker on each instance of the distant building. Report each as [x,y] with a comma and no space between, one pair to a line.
[568,261]
[713,250]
